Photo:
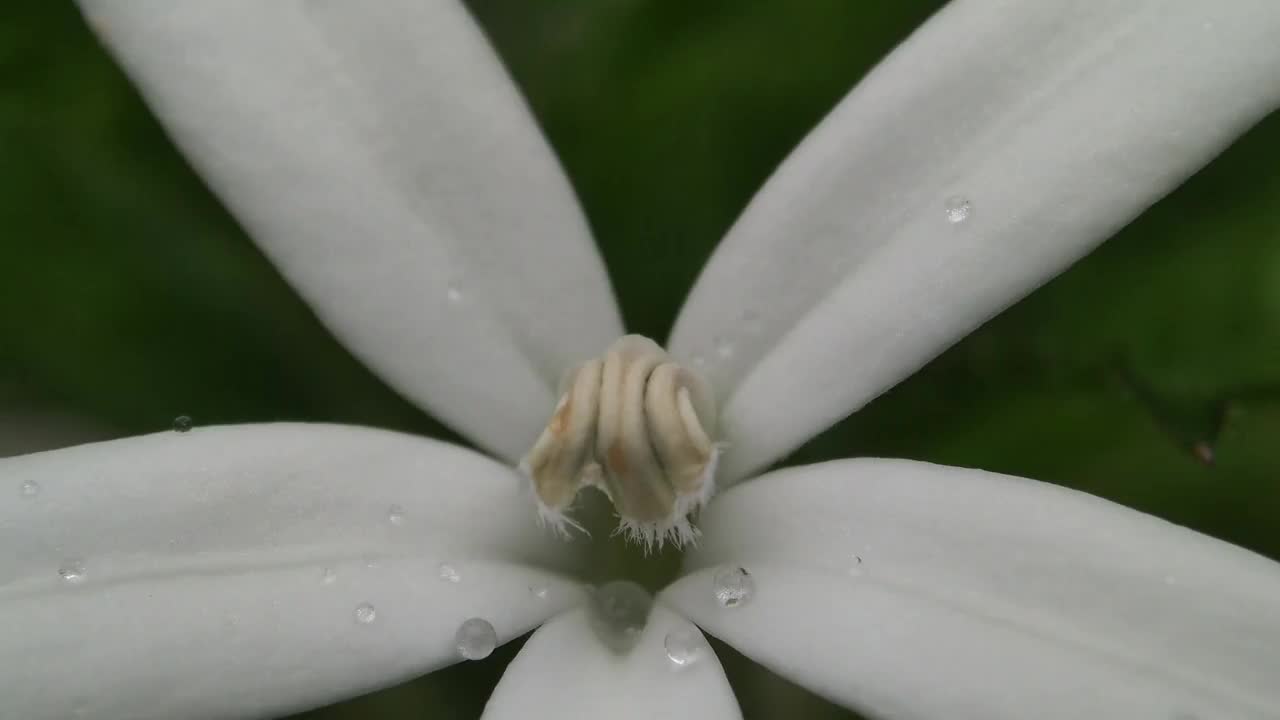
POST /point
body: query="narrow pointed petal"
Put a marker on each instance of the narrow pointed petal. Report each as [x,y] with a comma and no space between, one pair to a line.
[381,157]
[252,571]
[905,589]
[565,671]
[1057,122]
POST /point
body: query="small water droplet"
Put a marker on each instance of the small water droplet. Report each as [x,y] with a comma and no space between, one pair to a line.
[684,647]
[72,571]
[395,515]
[328,576]
[448,573]
[855,569]
[699,361]
[29,489]
[620,610]
[724,348]
[475,639]
[734,587]
[366,613]
[454,295]
[538,591]
[958,209]
[182,423]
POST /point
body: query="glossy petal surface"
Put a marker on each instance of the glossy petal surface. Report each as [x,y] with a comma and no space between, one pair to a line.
[911,590]
[997,145]
[565,671]
[381,157]
[251,571]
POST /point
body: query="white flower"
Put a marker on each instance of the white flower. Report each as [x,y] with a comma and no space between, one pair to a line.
[381,157]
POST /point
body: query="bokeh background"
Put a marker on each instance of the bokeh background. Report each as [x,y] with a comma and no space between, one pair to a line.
[1149,373]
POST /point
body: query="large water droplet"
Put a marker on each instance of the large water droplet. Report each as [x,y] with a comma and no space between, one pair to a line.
[619,612]
[734,586]
[72,571]
[448,573]
[29,489]
[366,613]
[395,515]
[958,209]
[684,647]
[475,639]
[183,423]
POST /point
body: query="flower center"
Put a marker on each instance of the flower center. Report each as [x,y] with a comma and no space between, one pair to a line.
[638,427]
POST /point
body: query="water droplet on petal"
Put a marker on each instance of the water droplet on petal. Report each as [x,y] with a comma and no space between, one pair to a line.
[620,610]
[29,489]
[448,573]
[454,294]
[72,571]
[366,613]
[724,348]
[182,423]
[475,639]
[328,576]
[699,361]
[734,586]
[958,209]
[684,647]
[855,569]
[538,591]
[395,515]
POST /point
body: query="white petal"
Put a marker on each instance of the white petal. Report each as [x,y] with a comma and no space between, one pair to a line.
[385,162]
[986,596]
[223,569]
[1059,121]
[565,671]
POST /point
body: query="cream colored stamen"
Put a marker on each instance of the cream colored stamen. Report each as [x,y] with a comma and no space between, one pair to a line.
[637,426]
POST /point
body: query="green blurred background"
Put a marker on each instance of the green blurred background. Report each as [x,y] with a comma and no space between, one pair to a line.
[1149,373]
